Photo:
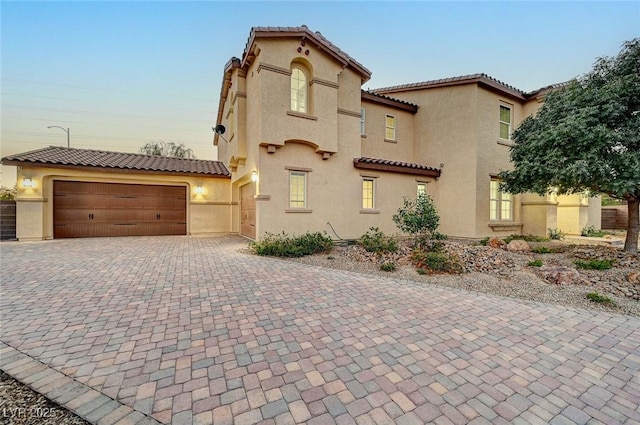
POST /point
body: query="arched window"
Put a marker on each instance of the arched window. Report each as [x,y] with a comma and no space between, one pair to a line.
[299,87]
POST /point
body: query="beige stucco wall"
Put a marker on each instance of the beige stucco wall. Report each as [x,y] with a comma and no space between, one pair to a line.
[575,212]
[207,213]
[374,144]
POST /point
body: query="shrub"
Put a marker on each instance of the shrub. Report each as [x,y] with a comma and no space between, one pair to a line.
[484,241]
[556,234]
[436,261]
[594,264]
[8,194]
[421,271]
[417,216]
[388,266]
[544,250]
[376,241]
[535,263]
[592,232]
[597,298]
[528,238]
[283,245]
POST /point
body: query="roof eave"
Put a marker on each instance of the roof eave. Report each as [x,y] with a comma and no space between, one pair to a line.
[396,169]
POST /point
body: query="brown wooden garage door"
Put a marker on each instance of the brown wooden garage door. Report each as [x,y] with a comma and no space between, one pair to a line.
[87,209]
[248,210]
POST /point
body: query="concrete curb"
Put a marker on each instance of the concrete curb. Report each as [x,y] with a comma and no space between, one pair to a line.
[87,403]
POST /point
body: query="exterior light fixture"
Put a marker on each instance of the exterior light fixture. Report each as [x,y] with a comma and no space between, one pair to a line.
[199,189]
[254,176]
[27,182]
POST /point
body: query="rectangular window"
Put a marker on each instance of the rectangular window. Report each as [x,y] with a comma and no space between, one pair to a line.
[390,127]
[297,189]
[367,193]
[501,203]
[362,120]
[298,90]
[422,189]
[505,122]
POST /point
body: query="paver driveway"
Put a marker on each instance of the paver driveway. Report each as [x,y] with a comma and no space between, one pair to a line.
[192,330]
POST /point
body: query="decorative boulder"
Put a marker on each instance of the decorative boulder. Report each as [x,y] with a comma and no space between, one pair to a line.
[518,245]
[495,243]
[634,277]
[561,275]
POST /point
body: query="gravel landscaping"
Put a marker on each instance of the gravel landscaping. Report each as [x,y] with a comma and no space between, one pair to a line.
[20,405]
[499,271]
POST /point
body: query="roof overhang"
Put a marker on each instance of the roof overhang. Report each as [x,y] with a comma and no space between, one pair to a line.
[395,167]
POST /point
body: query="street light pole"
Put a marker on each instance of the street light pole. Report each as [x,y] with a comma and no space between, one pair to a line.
[66,130]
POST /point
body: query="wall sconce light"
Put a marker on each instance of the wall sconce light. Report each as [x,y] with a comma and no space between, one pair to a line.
[27,182]
[254,176]
[199,189]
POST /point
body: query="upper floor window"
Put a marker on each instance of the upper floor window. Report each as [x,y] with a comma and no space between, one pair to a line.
[390,127]
[299,94]
[362,120]
[297,189]
[367,193]
[501,203]
[505,122]
[422,189]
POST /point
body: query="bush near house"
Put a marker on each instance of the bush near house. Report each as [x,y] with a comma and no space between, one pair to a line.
[8,193]
[283,245]
[417,216]
[592,232]
[594,264]
[376,241]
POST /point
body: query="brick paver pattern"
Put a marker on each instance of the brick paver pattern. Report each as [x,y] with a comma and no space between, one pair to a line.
[195,330]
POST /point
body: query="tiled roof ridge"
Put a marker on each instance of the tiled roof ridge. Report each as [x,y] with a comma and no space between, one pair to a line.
[448,80]
[314,35]
[373,93]
[382,161]
[118,160]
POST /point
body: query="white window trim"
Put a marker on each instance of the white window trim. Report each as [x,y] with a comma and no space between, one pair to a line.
[395,125]
[510,123]
[304,175]
[305,88]
[500,202]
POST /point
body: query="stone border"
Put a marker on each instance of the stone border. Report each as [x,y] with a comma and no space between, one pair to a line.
[81,400]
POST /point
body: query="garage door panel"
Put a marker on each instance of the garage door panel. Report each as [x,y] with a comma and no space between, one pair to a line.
[86,209]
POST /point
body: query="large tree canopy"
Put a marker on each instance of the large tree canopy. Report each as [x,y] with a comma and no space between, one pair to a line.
[586,137]
[167,149]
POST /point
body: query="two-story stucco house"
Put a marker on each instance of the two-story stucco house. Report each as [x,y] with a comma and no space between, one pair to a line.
[307,147]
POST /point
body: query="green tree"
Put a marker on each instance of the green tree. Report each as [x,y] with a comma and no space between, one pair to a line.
[586,137]
[167,149]
[417,216]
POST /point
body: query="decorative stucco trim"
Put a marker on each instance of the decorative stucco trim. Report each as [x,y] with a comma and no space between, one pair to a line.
[303,169]
[506,143]
[262,197]
[298,210]
[349,113]
[510,225]
[209,203]
[324,83]
[367,211]
[390,141]
[274,68]
[302,115]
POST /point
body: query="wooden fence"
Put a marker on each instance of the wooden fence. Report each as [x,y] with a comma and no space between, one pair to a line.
[7,220]
[615,217]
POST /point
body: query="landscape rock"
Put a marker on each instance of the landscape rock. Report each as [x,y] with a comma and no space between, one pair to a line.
[518,245]
[496,243]
[561,275]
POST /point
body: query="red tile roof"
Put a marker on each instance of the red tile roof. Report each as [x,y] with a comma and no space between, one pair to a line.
[463,79]
[316,37]
[395,166]
[389,101]
[72,157]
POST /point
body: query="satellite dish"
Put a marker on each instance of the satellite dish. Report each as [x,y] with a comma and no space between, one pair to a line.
[219,129]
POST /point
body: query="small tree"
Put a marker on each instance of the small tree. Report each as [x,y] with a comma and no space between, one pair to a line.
[417,217]
[586,137]
[167,149]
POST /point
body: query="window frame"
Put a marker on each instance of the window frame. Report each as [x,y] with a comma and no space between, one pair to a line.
[501,122]
[363,118]
[418,191]
[497,202]
[304,90]
[392,128]
[372,198]
[294,203]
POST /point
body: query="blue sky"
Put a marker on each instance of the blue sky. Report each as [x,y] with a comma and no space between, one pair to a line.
[119,74]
